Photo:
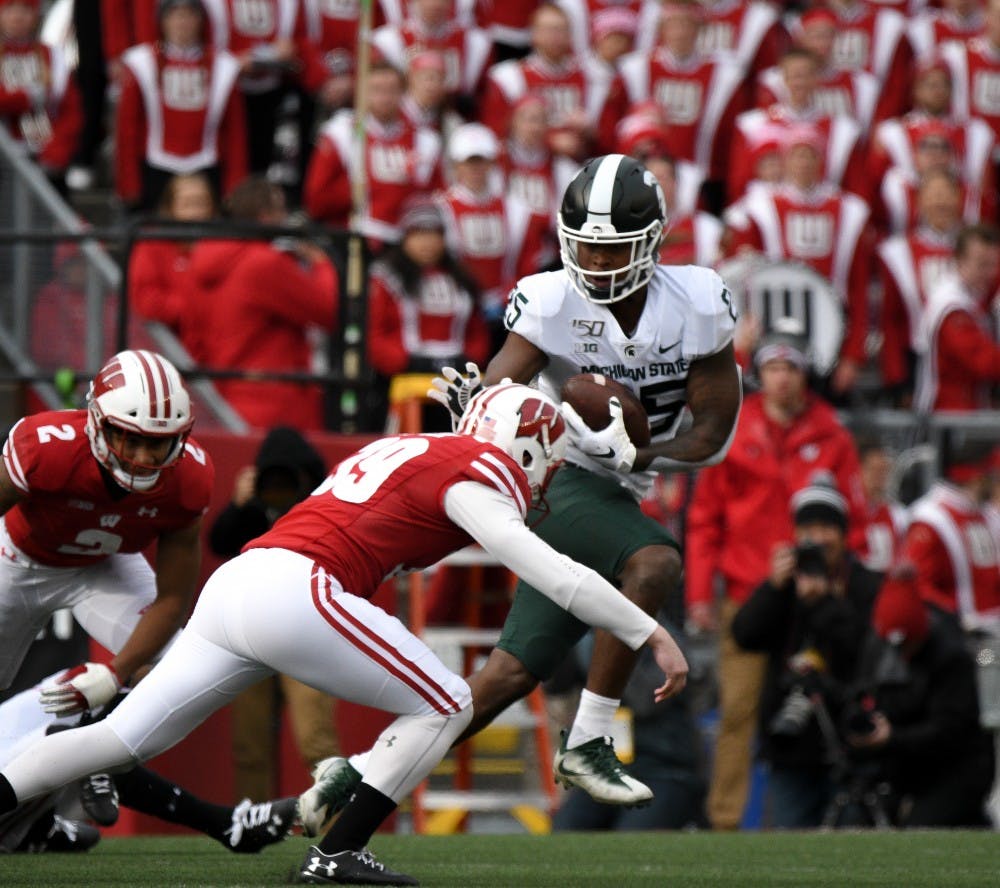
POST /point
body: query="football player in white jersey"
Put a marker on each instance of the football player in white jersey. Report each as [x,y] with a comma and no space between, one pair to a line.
[665,332]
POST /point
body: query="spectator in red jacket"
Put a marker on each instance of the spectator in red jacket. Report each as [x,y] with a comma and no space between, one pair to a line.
[422,308]
[257,305]
[179,111]
[39,100]
[785,435]
[961,357]
[159,286]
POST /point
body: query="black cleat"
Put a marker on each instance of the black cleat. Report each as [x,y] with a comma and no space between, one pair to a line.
[99,798]
[348,868]
[257,826]
[62,836]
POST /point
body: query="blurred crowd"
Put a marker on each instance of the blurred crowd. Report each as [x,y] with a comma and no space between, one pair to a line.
[857,139]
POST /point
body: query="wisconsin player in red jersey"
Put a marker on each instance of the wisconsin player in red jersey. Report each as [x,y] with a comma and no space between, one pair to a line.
[82,494]
[295,602]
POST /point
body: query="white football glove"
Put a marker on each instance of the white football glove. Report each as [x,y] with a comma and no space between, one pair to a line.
[610,446]
[80,688]
[455,391]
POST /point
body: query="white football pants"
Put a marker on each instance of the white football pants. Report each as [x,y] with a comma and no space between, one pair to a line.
[268,611]
[107,598]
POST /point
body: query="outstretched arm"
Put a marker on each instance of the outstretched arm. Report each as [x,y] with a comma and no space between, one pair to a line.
[491,519]
[714,393]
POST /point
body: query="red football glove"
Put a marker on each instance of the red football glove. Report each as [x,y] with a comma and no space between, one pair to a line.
[82,687]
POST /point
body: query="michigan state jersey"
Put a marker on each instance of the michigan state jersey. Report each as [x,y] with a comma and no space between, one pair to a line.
[689,314]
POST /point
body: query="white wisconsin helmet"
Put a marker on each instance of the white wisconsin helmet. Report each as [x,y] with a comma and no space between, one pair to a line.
[523,423]
[613,201]
[141,392]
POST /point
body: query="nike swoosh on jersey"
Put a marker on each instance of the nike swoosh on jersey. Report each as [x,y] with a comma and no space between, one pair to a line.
[663,351]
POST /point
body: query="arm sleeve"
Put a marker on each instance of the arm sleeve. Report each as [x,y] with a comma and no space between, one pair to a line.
[130,140]
[761,624]
[857,301]
[895,332]
[327,193]
[492,519]
[386,351]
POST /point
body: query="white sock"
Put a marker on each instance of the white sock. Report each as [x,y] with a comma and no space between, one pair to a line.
[359,761]
[594,717]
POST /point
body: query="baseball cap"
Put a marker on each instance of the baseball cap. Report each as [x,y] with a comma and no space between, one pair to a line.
[472,140]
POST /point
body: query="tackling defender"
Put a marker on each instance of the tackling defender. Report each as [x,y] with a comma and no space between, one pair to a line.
[664,332]
[295,602]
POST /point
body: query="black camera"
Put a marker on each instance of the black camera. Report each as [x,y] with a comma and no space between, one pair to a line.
[810,559]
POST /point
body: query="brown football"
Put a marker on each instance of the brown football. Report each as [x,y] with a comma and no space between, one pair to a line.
[589,393]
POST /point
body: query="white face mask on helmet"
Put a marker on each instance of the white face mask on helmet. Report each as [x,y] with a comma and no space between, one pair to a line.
[138,392]
[525,424]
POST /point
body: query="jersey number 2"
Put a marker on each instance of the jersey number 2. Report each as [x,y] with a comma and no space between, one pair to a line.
[358,478]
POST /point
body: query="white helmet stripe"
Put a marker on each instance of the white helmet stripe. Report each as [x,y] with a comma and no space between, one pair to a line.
[602,190]
[155,392]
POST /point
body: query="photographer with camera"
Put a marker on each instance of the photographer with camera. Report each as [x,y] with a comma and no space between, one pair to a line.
[920,732]
[810,617]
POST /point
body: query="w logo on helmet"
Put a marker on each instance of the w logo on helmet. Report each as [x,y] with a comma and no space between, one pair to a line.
[541,420]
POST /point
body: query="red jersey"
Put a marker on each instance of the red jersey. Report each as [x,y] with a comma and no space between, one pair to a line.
[465,51]
[934,27]
[568,88]
[381,511]
[72,514]
[48,124]
[884,534]
[911,267]
[499,240]
[975,77]
[332,26]
[824,228]
[842,164]
[874,40]
[180,113]
[752,32]
[698,96]
[766,464]
[441,321]
[838,93]
[399,160]
[953,543]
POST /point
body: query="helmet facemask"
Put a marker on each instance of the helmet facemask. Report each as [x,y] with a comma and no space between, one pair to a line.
[611,285]
[138,393]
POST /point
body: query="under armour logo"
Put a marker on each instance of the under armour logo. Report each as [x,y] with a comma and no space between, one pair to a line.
[327,866]
[147,512]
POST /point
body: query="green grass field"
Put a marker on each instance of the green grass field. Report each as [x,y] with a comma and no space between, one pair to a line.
[623,860]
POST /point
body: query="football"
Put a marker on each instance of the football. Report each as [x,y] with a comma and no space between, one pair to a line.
[588,394]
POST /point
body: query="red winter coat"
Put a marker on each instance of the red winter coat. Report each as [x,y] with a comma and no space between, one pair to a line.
[740,508]
[254,305]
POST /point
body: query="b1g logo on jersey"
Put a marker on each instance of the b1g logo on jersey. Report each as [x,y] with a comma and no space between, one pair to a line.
[482,235]
[254,18]
[850,50]
[389,163]
[986,92]
[809,235]
[185,89]
[681,99]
